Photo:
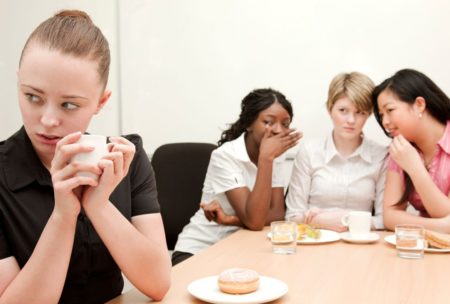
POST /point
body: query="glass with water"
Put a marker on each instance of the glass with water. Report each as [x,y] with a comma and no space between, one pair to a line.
[284,237]
[409,241]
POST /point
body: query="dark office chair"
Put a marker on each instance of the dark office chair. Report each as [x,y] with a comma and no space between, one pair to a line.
[180,170]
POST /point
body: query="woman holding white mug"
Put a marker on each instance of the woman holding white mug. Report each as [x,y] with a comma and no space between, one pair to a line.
[344,172]
[66,238]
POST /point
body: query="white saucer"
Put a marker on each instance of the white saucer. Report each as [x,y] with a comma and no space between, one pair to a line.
[371,237]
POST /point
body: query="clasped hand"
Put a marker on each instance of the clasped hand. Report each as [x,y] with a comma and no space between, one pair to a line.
[327,219]
[214,212]
[73,191]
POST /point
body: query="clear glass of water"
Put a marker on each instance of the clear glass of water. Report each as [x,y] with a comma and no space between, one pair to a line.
[284,237]
[409,241]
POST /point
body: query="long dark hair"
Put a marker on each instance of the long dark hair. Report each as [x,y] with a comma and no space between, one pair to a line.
[256,101]
[407,85]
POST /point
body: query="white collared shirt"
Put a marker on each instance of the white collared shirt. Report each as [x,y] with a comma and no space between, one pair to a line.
[322,178]
[229,168]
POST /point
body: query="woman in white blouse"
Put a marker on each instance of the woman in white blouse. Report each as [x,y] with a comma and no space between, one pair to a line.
[244,183]
[346,170]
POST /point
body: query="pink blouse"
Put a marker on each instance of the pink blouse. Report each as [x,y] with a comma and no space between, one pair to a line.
[439,171]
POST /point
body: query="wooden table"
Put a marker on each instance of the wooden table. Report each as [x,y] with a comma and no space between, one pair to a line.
[336,272]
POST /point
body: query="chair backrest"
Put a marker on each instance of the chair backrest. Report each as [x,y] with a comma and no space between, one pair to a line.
[180,170]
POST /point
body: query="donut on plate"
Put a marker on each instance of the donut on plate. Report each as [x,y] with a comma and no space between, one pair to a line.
[238,281]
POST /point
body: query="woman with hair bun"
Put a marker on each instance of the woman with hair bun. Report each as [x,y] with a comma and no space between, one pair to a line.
[66,238]
[244,182]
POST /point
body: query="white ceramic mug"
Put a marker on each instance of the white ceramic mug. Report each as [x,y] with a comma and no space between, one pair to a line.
[93,157]
[358,223]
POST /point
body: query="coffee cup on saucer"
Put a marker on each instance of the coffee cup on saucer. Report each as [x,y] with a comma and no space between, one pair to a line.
[358,223]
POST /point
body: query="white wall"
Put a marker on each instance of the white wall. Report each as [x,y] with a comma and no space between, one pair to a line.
[18,19]
[187,64]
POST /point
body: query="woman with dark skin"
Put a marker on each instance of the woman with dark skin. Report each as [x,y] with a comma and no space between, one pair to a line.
[243,185]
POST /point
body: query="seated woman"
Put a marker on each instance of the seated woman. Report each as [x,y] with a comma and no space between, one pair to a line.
[346,170]
[244,176]
[66,238]
[415,113]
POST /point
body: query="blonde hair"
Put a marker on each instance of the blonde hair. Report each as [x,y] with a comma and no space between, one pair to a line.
[355,86]
[73,32]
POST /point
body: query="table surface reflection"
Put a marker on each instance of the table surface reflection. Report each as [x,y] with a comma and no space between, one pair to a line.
[337,272]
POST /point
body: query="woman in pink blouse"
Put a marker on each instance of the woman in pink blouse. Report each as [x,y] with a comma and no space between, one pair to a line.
[415,112]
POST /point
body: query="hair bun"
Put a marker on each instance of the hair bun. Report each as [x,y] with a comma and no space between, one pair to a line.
[73,14]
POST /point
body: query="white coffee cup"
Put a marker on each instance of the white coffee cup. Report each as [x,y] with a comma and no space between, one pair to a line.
[358,223]
[94,156]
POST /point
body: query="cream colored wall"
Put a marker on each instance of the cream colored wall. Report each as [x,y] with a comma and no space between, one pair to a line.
[187,64]
[180,68]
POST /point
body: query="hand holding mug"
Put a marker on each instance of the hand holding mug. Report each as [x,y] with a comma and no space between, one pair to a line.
[66,176]
[114,166]
[93,157]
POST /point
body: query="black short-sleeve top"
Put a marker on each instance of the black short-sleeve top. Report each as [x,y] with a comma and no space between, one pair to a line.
[26,202]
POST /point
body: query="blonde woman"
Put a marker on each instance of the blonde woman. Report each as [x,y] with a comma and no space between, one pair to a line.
[346,170]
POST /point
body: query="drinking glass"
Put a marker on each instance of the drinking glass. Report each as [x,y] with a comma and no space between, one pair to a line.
[409,241]
[284,237]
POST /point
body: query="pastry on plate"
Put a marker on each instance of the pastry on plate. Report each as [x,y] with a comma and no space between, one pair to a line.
[238,281]
[305,230]
[437,239]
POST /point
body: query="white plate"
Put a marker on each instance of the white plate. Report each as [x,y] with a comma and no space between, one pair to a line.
[207,289]
[326,236]
[371,237]
[391,240]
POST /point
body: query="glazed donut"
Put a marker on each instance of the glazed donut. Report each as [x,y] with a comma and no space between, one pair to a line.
[238,281]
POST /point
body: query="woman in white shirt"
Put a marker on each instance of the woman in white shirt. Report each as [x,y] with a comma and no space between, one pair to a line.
[244,182]
[346,170]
